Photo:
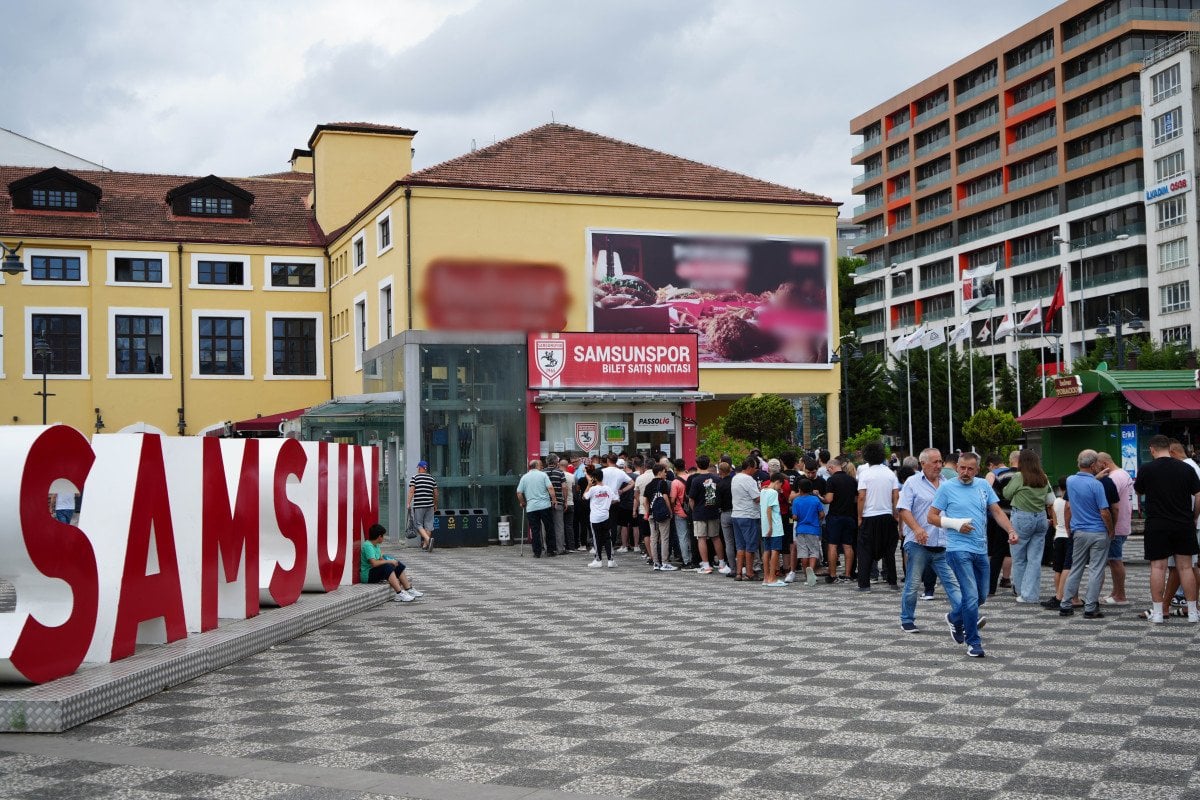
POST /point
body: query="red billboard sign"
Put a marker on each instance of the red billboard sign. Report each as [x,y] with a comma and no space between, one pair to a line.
[613,360]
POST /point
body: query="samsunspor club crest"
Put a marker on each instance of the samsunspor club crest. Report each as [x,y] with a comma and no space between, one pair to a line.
[551,358]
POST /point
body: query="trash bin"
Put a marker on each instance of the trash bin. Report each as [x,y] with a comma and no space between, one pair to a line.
[461,527]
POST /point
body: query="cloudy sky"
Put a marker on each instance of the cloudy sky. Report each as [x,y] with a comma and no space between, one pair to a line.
[765,87]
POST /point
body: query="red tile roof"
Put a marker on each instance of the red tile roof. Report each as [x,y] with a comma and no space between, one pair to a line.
[562,159]
[134,208]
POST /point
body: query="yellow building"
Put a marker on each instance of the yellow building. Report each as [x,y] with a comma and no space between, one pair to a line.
[163,301]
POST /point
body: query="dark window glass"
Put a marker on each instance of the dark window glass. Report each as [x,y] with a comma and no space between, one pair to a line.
[214,206]
[138,270]
[54,198]
[219,273]
[302,275]
[57,343]
[294,346]
[55,268]
[385,233]
[139,345]
[222,346]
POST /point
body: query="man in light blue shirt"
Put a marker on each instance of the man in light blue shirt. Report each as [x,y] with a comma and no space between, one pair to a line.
[533,493]
[961,508]
[1090,521]
[923,543]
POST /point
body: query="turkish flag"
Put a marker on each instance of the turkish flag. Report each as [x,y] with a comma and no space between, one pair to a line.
[1056,304]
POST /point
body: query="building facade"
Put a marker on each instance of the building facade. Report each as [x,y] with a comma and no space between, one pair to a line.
[1027,154]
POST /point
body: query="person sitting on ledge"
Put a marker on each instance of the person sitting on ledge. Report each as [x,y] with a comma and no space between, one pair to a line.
[374,568]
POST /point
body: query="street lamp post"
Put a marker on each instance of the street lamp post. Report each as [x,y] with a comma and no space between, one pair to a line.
[43,352]
[848,345]
[1119,318]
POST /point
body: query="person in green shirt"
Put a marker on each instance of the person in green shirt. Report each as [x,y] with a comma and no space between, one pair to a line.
[1032,501]
[374,568]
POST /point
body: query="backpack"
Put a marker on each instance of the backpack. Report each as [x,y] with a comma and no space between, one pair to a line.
[710,493]
[660,508]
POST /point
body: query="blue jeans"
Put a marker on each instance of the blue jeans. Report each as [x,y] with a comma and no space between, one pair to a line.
[1027,552]
[917,559]
[973,571]
[64,515]
[681,538]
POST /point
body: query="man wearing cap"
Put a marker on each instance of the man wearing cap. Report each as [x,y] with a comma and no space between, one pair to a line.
[422,503]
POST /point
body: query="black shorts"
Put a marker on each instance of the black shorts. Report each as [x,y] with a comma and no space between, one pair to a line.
[1173,542]
[841,531]
[1062,554]
[643,526]
[624,517]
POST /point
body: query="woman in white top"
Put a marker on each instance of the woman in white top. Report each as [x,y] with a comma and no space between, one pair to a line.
[600,502]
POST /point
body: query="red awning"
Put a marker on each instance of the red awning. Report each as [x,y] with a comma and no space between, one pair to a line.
[1051,411]
[267,423]
[1179,403]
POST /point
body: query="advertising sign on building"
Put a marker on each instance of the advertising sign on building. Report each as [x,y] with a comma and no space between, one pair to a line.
[1069,386]
[752,301]
[613,360]
[616,434]
[1175,186]
[653,422]
[1129,449]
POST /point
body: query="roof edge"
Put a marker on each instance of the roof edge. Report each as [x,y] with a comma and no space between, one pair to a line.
[359,127]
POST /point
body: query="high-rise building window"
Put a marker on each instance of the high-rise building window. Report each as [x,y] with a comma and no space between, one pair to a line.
[1176,297]
[1165,83]
[1178,335]
[1167,126]
[1172,211]
[1172,255]
[1168,166]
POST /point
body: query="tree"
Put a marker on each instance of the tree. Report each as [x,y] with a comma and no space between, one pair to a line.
[1149,355]
[762,419]
[869,434]
[990,429]
[714,443]
[847,321]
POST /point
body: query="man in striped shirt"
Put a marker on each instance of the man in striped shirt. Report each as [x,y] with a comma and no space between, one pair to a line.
[422,503]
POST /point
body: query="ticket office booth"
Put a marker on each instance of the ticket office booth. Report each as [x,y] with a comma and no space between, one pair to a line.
[641,428]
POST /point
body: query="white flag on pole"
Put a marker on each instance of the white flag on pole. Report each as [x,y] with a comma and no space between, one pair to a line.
[985,333]
[1005,327]
[1034,317]
[915,338]
[899,346]
[960,333]
[934,338]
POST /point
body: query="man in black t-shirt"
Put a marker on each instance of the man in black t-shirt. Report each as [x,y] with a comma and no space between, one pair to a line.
[725,504]
[841,524]
[704,504]
[1172,505]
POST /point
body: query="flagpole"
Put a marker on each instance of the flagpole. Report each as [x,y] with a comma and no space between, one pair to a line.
[908,388]
[971,361]
[1016,333]
[992,359]
[929,393]
[949,401]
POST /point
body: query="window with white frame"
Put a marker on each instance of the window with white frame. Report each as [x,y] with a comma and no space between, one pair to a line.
[1176,297]
[56,266]
[360,329]
[138,268]
[221,344]
[383,232]
[56,340]
[385,310]
[1,348]
[293,347]
[139,342]
[1167,126]
[358,251]
[1165,83]
[1178,335]
[1172,211]
[220,271]
[1168,166]
[1172,254]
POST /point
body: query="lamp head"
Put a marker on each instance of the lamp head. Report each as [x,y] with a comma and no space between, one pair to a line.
[12,263]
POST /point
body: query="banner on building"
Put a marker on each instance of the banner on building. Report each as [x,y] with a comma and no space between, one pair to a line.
[978,288]
[613,360]
[751,301]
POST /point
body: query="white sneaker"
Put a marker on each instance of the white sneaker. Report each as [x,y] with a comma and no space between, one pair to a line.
[592,550]
[621,550]
[595,563]
[705,569]
[1193,618]
[668,568]
[581,549]
[724,569]
[403,597]
[791,576]
[611,563]
[415,593]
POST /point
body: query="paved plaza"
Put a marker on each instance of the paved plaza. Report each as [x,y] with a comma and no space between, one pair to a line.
[518,678]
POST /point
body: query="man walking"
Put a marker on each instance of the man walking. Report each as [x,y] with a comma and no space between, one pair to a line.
[962,507]
[924,543]
[534,494]
[422,503]
[878,491]
[1122,525]
[1091,524]
[1172,507]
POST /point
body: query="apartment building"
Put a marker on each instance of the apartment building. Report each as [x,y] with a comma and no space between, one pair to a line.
[1028,154]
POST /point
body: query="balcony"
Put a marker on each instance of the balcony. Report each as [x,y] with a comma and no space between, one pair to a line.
[1132,57]
[1028,64]
[870,205]
[869,267]
[868,175]
[1035,177]
[1163,14]
[933,147]
[933,213]
[1104,111]
[979,197]
[941,279]
[870,330]
[1092,156]
[1033,255]
[934,247]
[937,314]
[902,161]
[867,144]
[902,289]
[899,128]
[978,125]
[1110,277]
[1100,195]
[1032,140]
[899,194]
[1031,101]
[979,161]
[933,180]
[902,224]
[975,91]
[867,299]
[932,113]
[1031,217]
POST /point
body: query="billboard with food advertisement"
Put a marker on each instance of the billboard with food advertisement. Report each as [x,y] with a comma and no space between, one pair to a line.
[752,301]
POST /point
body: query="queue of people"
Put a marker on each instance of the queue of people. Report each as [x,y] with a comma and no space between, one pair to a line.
[954,520]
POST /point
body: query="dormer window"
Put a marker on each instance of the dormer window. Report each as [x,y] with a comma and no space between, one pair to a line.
[54,189]
[210,197]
